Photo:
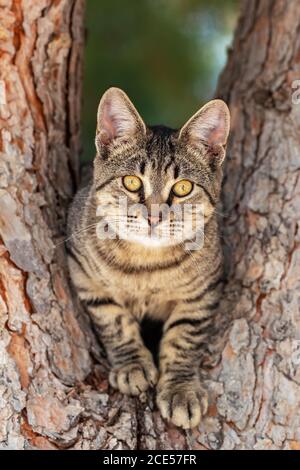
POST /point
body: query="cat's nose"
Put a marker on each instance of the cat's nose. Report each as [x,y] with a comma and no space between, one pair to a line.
[154,220]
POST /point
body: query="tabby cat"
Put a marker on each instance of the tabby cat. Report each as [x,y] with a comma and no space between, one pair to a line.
[151,272]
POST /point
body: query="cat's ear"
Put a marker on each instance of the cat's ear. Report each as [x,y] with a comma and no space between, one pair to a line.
[116,118]
[209,126]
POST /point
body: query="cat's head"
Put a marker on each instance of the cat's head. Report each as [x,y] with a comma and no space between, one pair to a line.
[154,185]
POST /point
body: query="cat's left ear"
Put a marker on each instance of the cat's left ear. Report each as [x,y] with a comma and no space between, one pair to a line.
[116,118]
[209,126]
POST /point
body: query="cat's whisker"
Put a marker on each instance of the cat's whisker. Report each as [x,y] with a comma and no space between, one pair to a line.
[74,234]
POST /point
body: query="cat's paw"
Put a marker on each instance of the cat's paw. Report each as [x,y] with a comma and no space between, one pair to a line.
[134,378]
[183,404]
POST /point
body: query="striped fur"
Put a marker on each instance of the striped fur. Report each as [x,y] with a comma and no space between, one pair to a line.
[121,282]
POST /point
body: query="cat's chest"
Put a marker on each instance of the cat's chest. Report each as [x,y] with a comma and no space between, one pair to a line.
[145,296]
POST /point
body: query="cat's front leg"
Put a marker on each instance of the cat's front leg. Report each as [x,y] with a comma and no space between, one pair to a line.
[181,397]
[133,369]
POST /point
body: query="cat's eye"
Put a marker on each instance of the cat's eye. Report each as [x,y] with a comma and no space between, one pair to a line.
[182,188]
[132,183]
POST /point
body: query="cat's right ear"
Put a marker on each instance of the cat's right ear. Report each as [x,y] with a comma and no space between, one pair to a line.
[116,118]
[209,126]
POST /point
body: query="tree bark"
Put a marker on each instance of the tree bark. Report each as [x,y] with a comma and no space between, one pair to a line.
[43,348]
[53,389]
[259,406]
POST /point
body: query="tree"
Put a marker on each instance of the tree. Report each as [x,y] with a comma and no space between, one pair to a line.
[54,392]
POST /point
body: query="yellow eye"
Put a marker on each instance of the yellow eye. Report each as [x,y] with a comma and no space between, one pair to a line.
[182,188]
[132,183]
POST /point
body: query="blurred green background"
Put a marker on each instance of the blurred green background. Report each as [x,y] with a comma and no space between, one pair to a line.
[166,55]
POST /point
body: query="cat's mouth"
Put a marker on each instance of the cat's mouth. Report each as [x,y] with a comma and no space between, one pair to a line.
[159,236]
[153,241]
[163,233]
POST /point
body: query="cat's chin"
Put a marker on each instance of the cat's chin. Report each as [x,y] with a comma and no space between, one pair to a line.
[152,242]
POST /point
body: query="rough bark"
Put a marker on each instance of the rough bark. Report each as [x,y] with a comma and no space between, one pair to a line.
[43,349]
[260,370]
[53,392]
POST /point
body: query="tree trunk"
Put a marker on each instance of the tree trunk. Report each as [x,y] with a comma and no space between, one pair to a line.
[43,348]
[260,402]
[53,391]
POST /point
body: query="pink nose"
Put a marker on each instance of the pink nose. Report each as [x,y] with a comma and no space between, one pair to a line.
[154,220]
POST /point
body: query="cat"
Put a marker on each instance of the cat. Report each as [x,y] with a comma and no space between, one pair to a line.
[130,263]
